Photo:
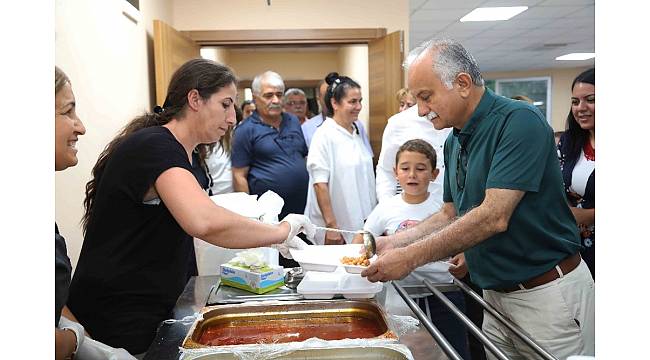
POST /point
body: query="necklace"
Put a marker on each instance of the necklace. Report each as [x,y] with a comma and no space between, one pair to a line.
[590,152]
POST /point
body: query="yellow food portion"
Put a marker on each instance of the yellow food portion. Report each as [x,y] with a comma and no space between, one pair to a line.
[359,260]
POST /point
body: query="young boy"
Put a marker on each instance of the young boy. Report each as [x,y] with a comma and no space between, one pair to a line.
[415,167]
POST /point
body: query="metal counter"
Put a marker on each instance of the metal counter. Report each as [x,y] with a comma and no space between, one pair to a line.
[170,336]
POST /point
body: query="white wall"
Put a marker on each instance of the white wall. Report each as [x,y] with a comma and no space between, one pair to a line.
[109,60]
[291,14]
[291,65]
[216,53]
[353,62]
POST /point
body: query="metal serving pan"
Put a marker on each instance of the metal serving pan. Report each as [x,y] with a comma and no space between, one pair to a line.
[287,321]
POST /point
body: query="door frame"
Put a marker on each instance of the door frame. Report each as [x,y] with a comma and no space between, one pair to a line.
[284,36]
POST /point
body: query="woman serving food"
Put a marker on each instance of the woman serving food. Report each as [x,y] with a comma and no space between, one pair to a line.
[143,206]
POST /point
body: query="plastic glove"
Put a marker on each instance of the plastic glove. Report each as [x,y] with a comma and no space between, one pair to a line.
[299,223]
[294,243]
[94,350]
[78,329]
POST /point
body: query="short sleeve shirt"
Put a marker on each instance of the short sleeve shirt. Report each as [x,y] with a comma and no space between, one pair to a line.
[276,159]
[507,144]
[395,215]
[135,256]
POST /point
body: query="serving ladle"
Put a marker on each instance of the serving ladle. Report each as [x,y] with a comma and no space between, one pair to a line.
[370,244]
[368,239]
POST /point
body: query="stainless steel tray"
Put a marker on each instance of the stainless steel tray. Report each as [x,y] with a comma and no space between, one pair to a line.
[222,294]
[233,325]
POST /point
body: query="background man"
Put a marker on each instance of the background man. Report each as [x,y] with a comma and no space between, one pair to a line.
[269,150]
[503,206]
[295,102]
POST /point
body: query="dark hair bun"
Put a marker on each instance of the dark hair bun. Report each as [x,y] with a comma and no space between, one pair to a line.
[329,79]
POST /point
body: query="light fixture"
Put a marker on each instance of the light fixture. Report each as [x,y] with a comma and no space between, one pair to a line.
[493,13]
[576,56]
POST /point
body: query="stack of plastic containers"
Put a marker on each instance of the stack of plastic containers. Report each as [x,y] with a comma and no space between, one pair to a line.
[326,277]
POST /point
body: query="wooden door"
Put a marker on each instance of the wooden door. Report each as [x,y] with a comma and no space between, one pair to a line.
[171,49]
[385,77]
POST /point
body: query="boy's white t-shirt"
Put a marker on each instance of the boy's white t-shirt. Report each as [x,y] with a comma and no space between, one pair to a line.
[394,215]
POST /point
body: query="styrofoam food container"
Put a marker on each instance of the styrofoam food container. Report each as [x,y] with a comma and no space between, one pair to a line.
[319,285]
[324,257]
[356,287]
[325,285]
[357,269]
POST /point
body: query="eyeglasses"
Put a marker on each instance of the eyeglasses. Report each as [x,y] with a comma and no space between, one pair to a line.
[293,103]
[461,168]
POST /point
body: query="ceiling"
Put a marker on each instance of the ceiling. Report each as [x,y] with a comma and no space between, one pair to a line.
[529,41]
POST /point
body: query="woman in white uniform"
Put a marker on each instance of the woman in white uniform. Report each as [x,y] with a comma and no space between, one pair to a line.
[341,180]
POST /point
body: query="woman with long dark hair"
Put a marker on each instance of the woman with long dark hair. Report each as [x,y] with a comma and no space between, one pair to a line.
[144,205]
[577,150]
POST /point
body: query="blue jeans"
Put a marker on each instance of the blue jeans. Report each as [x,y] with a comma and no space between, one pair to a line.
[447,323]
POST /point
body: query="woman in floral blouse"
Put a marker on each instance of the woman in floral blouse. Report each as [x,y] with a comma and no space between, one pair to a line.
[577,151]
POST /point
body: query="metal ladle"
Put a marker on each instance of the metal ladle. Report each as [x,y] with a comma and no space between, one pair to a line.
[368,239]
[370,244]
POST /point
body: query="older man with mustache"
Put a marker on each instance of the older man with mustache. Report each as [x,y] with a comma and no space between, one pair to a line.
[269,150]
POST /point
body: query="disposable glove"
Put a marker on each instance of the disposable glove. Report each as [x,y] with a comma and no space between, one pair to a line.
[293,243]
[299,223]
[94,350]
[78,329]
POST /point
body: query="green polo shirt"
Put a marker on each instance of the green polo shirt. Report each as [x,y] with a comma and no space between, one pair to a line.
[507,144]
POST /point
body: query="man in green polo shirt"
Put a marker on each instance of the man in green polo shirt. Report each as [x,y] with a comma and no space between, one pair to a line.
[504,208]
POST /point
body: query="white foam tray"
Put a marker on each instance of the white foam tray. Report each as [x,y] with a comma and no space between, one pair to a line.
[326,285]
[327,258]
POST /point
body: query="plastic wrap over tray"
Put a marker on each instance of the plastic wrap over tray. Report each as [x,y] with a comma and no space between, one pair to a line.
[315,349]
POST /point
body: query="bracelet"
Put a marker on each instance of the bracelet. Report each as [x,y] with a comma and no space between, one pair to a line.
[76,343]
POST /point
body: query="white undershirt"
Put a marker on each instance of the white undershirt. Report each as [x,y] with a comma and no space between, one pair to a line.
[340,159]
[218,162]
[581,173]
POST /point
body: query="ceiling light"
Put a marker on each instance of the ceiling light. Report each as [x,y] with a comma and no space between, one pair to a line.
[493,13]
[576,56]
